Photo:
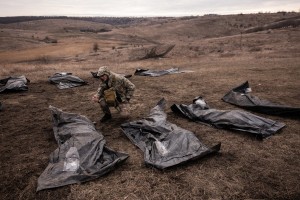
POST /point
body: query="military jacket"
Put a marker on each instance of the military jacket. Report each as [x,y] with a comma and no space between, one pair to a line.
[122,86]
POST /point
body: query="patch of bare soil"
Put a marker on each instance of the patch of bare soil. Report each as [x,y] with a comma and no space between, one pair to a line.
[245,168]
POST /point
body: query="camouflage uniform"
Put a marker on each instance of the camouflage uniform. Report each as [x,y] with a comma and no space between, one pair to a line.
[122,86]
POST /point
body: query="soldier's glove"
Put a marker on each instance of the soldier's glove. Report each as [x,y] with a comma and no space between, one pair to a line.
[95,98]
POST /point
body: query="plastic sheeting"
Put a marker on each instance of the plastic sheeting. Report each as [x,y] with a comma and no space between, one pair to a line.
[164,144]
[14,84]
[238,120]
[95,75]
[65,80]
[240,96]
[81,154]
[148,72]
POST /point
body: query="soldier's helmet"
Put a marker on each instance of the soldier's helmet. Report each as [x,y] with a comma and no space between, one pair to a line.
[103,70]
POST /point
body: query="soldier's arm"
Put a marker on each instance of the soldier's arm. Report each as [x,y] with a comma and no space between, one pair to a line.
[100,91]
[130,87]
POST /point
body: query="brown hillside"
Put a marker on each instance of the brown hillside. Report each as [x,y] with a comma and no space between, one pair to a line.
[220,56]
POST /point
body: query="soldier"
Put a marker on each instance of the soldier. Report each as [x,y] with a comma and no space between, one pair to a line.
[114,90]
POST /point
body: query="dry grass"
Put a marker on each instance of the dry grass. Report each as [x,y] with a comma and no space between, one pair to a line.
[245,168]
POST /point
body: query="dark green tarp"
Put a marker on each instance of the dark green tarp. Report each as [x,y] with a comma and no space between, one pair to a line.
[82,154]
[12,84]
[149,72]
[164,144]
[238,120]
[64,80]
[240,97]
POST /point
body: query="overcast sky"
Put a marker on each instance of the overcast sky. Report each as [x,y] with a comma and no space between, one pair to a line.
[144,8]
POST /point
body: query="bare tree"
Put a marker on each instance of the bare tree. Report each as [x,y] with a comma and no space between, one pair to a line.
[157,52]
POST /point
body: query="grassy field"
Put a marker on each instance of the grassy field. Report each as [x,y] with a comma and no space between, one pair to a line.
[220,57]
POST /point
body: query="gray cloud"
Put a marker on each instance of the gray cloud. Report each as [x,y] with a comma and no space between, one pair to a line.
[143,8]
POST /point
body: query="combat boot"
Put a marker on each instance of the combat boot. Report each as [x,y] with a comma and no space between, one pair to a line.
[105,118]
